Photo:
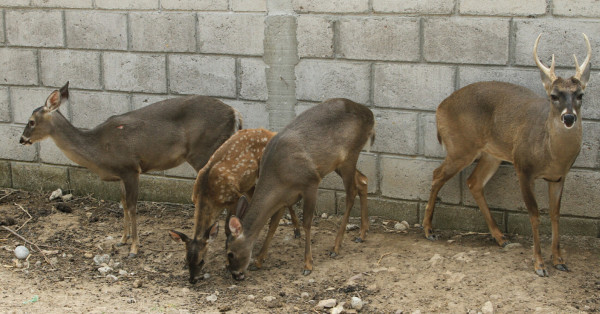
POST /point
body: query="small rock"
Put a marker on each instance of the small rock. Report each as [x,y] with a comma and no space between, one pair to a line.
[185,290]
[399,312]
[250,297]
[304,295]
[416,226]
[416,312]
[356,303]
[21,252]
[311,280]
[62,207]
[211,298]
[338,309]
[269,298]
[206,276]
[463,257]
[56,194]
[102,259]
[324,215]
[104,270]
[38,263]
[512,246]
[312,302]
[88,255]
[436,259]
[404,222]
[54,260]
[112,277]
[400,226]
[350,227]
[67,197]
[354,279]
[138,283]
[326,304]
[122,272]
[487,308]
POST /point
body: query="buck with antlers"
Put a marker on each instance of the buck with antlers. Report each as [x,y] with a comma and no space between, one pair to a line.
[495,122]
[156,137]
[327,137]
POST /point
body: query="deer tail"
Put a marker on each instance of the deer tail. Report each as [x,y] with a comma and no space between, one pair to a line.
[239,121]
[370,140]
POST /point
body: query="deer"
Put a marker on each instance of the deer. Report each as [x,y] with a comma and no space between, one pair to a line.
[325,138]
[541,136]
[159,136]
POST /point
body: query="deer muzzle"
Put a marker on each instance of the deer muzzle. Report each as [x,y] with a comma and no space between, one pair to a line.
[568,119]
[25,141]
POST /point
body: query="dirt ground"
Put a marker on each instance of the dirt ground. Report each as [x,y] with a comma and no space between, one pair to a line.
[391,272]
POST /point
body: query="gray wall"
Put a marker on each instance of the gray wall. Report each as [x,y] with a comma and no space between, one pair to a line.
[273,59]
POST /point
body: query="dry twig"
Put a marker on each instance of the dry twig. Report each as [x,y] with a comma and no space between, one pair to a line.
[382,256]
[23,209]
[157,250]
[9,193]
[27,241]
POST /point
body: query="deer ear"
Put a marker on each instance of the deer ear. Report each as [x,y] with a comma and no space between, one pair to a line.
[57,98]
[241,207]
[178,236]
[211,233]
[235,225]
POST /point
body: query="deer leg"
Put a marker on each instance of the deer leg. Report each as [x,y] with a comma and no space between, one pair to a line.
[272,228]
[295,222]
[485,169]
[534,217]
[448,169]
[347,175]
[361,182]
[126,225]
[310,202]
[131,195]
[555,195]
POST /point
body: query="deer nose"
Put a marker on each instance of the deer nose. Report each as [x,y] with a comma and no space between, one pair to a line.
[569,119]
[21,141]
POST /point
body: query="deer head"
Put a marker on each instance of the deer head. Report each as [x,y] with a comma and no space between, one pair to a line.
[236,243]
[565,94]
[196,249]
[39,125]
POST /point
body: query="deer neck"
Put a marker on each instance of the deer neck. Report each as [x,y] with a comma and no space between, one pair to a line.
[564,144]
[261,208]
[76,144]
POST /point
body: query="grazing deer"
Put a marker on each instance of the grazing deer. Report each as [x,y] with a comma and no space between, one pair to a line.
[327,137]
[157,137]
[230,172]
[495,121]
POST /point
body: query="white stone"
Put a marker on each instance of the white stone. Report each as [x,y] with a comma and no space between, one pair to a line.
[487,308]
[104,270]
[56,194]
[211,298]
[21,252]
[329,303]
[356,303]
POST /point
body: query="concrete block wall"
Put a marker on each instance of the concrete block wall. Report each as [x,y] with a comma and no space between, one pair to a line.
[272,59]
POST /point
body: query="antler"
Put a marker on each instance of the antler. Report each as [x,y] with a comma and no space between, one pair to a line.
[549,72]
[579,69]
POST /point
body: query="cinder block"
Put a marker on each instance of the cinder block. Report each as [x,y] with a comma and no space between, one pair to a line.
[379,38]
[18,66]
[318,80]
[241,34]
[96,30]
[182,171]
[51,154]
[161,189]
[519,223]
[135,72]
[410,179]
[412,86]
[24,100]
[502,8]
[431,145]
[591,100]
[2,36]
[253,79]
[37,177]
[396,132]
[155,31]
[14,3]
[69,4]
[203,5]
[325,203]
[367,164]
[127,4]
[576,8]
[414,6]
[337,6]
[84,182]
[561,37]
[580,193]
[529,78]
[247,6]
[5,174]
[93,108]
[466,40]
[503,191]
[254,114]
[462,218]
[4,105]
[141,100]
[34,28]
[315,36]
[80,68]
[204,75]
[590,146]
[377,207]
[10,147]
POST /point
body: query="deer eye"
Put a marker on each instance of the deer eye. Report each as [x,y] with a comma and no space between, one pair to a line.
[554,97]
[230,255]
[31,123]
[580,97]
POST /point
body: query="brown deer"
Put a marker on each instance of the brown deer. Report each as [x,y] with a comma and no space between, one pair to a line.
[327,137]
[156,137]
[230,172]
[495,122]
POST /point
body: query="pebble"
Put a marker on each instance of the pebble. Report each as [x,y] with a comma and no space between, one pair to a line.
[105,269]
[21,252]
[356,303]
[463,257]
[487,308]
[304,295]
[102,259]
[338,309]
[250,297]
[112,277]
[88,255]
[400,226]
[67,197]
[38,263]
[329,303]
[353,279]
[206,276]
[350,227]
[122,272]
[56,194]
[269,298]
[436,259]
[324,215]
[138,283]
[311,281]
[417,226]
[211,298]
[512,246]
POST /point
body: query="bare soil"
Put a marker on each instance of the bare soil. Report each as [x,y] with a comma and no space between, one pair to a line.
[391,271]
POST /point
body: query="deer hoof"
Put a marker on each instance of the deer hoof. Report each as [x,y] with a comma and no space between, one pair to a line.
[120,244]
[358,240]
[297,233]
[253,267]
[561,267]
[333,254]
[432,237]
[131,255]
[306,272]
[505,243]
[542,272]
